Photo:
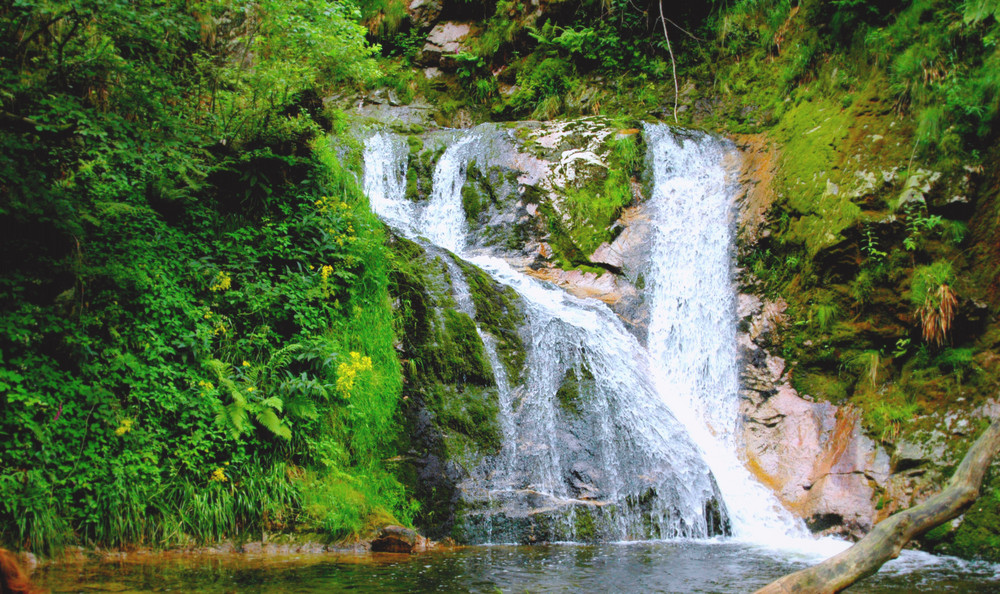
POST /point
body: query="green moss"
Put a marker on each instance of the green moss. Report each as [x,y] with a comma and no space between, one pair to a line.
[415,143]
[825,386]
[471,411]
[584,525]
[412,189]
[927,279]
[472,202]
[499,313]
[573,389]
[461,350]
[887,413]
[978,536]
[420,168]
[814,135]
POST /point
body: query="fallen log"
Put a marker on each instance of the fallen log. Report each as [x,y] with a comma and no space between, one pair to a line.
[889,536]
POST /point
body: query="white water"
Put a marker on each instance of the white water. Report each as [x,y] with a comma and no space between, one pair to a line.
[385,180]
[692,330]
[689,368]
[631,445]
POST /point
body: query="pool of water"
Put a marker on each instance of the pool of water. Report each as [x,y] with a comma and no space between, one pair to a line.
[635,567]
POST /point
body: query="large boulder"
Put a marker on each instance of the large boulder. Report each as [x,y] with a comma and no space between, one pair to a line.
[444,41]
[424,13]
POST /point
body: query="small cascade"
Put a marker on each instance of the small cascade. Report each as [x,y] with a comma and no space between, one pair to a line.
[590,450]
[443,220]
[385,179]
[592,436]
[692,331]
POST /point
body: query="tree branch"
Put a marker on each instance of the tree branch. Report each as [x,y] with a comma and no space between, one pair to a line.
[888,537]
[673,64]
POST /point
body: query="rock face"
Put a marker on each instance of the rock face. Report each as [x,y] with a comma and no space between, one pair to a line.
[523,201]
[450,398]
[812,454]
[519,203]
[527,195]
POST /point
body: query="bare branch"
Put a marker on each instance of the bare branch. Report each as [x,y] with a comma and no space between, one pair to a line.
[673,64]
[889,537]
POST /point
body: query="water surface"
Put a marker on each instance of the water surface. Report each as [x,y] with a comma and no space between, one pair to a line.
[682,566]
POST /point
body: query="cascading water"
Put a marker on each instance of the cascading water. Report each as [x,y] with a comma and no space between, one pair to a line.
[385,179]
[585,432]
[692,330]
[640,440]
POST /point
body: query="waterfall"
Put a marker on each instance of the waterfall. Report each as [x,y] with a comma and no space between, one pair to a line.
[692,330]
[645,446]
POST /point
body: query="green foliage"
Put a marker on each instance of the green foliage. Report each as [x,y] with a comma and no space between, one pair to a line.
[927,279]
[918,225]
[978,536]
[474,75]
[342,505]
[887,411]
[383,17]
[184,243]
[823,315]
[945,63]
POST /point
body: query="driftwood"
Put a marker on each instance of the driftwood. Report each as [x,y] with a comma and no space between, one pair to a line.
[890,535]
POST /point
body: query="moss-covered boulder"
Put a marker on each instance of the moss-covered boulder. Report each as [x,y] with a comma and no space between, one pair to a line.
[450,397]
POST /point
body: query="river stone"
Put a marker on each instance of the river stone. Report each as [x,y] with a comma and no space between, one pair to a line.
[397,539]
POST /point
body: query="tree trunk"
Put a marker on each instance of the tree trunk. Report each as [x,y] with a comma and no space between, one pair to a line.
[889,536]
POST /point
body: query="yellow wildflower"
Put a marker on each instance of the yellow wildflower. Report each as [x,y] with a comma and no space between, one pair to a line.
[124,428]
[246,363]
[250,389]
[218,475]
[347,372]
[222,282]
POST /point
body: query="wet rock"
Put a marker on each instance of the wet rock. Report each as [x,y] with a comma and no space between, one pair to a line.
[813,455]
[817,459]
[397,539]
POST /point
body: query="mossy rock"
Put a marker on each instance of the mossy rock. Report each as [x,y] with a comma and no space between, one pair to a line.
[498,312]
[469,411]
[824,386]
[573,389]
